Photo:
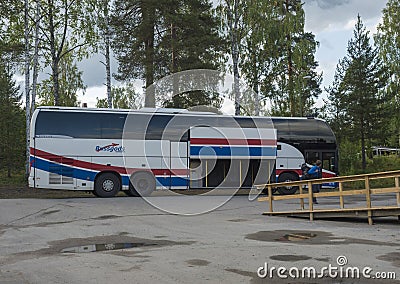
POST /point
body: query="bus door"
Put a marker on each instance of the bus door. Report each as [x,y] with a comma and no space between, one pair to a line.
[222,157]
[209,158]
[329,164]
[328,159]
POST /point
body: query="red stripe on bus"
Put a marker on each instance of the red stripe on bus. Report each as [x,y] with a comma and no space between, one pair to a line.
[99,167]
[224,141]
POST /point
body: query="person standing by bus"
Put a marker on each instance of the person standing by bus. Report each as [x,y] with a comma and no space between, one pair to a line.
[314,173]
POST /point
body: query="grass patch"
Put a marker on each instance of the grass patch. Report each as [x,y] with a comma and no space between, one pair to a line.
[17,179]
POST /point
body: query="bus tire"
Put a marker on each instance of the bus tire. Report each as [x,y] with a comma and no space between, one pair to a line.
[107,185]
[142,184]
[287,177]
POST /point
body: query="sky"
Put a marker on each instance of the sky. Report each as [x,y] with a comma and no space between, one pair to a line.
[332,21]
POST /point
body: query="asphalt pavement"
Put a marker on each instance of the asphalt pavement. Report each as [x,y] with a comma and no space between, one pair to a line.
[128,240]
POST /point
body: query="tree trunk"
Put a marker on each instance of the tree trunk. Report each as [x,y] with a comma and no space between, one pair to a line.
[54,57]
[107,54]
[149,22]
[27,86]
[35,57]
[363,150]
[174,61]
[292,103]
[235,57]
[256,85]
[108,71]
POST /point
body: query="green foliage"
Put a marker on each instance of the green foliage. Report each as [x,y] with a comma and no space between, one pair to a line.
[296,83]
[123,97]
[66,32]
[12,121]
[388,41]
[11,31]
[187,38]
[194,98]
[349,158]
[70,82]
[271,50]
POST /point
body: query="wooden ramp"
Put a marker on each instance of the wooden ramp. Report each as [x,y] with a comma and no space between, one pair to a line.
[341,210]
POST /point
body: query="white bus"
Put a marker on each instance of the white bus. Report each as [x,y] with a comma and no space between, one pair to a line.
[105,151]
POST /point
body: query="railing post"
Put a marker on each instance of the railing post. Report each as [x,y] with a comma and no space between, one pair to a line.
[310,201]
[368,198]
[270,199]
[341,195]
[301,199]
[397,185]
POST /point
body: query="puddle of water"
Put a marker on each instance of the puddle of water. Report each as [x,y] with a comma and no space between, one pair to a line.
[311,238]
[104,247]
[298,237]
[393,257]
[198,262]
[238,220]
[324,259]
[290,257]
[106,217]
[55,247]
[50,212]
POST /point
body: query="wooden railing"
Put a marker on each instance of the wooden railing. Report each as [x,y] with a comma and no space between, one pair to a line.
[338,192]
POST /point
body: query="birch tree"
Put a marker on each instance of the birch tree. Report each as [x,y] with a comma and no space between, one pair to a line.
[99,12]
[234,24]
[64,21]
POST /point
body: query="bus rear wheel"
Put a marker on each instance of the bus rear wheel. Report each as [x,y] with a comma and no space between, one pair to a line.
[107,185]
[287,177]
[142,184]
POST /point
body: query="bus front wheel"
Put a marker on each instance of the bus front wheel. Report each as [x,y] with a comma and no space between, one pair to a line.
[142,184]
[287,177]
[107,185]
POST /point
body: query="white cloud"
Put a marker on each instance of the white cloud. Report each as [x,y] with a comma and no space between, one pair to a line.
[331,15]
[350,24]
[91,94]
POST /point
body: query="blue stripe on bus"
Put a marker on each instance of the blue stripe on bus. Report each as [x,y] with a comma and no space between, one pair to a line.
[90,176]
[173,181]
[64,170]
[232,151]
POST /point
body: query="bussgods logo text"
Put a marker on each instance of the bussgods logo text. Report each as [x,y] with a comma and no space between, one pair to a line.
[114,147]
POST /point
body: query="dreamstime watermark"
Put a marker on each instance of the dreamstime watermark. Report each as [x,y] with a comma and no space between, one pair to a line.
[159,143]
[338,271]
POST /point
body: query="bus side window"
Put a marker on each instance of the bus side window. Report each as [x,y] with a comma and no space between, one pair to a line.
[112,126]
[156,127]
[312,157]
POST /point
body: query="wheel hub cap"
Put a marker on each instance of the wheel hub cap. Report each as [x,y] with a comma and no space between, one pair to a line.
[108,185]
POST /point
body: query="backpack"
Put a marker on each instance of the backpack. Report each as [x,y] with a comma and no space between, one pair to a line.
[304,169]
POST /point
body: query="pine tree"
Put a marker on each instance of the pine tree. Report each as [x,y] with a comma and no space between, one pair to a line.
[136,31]
[191,41]
[154,39]
[356,91]
[12,121]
